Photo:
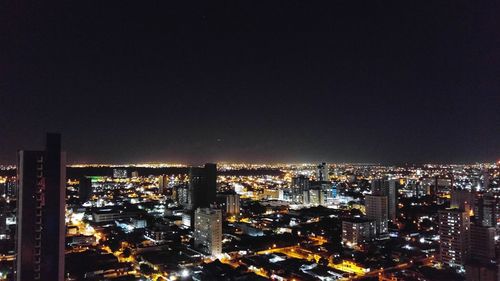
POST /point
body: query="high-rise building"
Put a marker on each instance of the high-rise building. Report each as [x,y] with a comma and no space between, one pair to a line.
[462,199]
[163,182]
[335,190]
[316,196]
[202,186]
[485,179]
[208,231]
[487,209]
[482,264]
[389,188]
[2,186]
[482,243]
[298,186]
[305,197]
[322,172]
[9,188]
[454,227]
[181,195]
[228,203]
[120,173]
[376,209]
[356,231]
[3,218]
[40,213]
[379,187]
[419,189]
[85,189]
[392,199]
[435,186]
[475,271]
[233,204]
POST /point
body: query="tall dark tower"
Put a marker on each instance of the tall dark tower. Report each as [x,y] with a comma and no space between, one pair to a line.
[40,213]
[202,186]
[85,189]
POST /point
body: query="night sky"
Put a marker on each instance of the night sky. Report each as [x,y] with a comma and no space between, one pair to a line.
[252,81]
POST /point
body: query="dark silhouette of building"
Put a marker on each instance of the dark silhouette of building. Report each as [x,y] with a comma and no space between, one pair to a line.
[85,189]
[475,271]
[40,213]
[462,199]
[3,217]
[202,186]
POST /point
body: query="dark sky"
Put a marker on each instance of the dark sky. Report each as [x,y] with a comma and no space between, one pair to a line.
[255,81]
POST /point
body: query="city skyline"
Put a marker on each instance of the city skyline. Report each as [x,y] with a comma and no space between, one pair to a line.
[247,222]
[340,81]
[250,140]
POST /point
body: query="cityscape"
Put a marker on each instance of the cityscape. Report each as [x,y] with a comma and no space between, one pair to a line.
[320,221]
[238,140]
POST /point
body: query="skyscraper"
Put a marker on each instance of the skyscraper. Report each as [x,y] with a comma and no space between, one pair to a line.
[388,188]
[480,272]
[40,213]
[299,185]
[462,199]
[316,196]
[233,205]
[120,173]
[356,231]
[487,209]
[376,209]
[202,186]
[485,179]
[454,227]
[163,182]
[181,195]
[482,243]
[482,264]
[3,218]
[85,189]
[229,203]
[322,172]
[208,231]
[378,186]
[9,188]
[392,199]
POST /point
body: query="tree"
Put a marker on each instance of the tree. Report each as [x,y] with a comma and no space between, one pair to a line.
[113,244]
[323,261]
[146,269]
[257,209]
[127,252]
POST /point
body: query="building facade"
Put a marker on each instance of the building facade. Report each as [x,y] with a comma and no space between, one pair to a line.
[376,209]
[208,231]
[202,186]
[454,226]
[357,231]
[84,189]
[482,243]
[300,184]
[322,172]
[40,213]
